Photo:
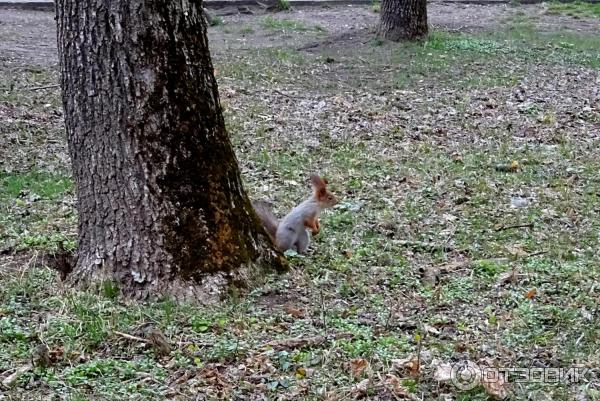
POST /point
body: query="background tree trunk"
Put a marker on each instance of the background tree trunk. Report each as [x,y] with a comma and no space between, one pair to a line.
[403,19]
[160,199]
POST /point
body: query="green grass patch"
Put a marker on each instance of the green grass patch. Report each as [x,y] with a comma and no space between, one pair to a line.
[30,214]
[283,25]
[45,185]
[577,9]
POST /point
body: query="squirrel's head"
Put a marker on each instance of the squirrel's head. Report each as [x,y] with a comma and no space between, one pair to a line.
[324,197]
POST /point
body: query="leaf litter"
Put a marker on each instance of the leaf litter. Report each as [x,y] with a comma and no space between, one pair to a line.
[413,150]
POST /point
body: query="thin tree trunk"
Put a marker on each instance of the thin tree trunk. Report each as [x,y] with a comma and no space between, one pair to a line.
[403,19]
[160,199]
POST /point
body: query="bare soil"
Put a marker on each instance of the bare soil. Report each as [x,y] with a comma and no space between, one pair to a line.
[29,37]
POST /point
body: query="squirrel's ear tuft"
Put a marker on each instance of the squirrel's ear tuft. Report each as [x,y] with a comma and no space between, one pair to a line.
[316,181]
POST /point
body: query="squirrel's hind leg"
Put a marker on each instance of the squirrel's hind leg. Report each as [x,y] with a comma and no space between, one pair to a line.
[302,242]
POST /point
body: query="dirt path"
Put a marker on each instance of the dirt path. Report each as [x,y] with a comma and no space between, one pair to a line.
[29,38]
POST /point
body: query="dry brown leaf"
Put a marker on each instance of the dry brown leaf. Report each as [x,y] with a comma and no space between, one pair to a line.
[294,310]
[517,251]
[409,365]
[358,366]
[214,377]
[506,277]
[415,367]
[300,373]
[159,342]
[431,330]
[347,253]
[41,356]
[360,389]
[443,372]
[395,385]
[12,378]
[496,386]
[531,293]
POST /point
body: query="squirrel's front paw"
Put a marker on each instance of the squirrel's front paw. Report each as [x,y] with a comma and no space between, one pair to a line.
[316,229]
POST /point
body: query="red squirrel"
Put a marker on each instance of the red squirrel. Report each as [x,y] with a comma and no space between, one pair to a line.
[290,232]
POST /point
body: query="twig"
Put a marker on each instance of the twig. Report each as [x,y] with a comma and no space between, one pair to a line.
[284,94]
[418,246]
[323,310]
[298,342]
[130,337]
[502,228]
[37,88]
[11,379]
[31,262]
[535,254]
[31,88]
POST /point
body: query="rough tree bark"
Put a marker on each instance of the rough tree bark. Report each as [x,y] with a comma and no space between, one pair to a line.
[161,205]
[403,19]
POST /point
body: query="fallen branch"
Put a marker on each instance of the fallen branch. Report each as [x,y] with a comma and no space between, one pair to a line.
[502,228]
[299,342]
[12,378]
[32,88]
[418,246]
[130,337]
[37,88]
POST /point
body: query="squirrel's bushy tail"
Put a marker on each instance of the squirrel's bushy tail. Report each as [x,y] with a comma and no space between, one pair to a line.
[267,217]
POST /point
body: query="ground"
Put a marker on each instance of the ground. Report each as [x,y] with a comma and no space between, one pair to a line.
[468,172]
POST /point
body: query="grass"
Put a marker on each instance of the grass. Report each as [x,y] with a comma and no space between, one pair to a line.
[31,210]
[216,20]
[282,5]
[577,9]
[376,7]
[413,261]
[283,25]
[246,30]
[15,84]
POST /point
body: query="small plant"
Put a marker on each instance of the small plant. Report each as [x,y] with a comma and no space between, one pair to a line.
[216,21]
[577,9]
[282,5]
[283,25]
[376,6]
[110,289]
[377,41]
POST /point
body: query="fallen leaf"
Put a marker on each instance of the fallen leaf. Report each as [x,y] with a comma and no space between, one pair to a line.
[517,251]
[518,202]
[360,389]
[293,310]
[431,330]
[159,342]
[347,253]
[12,378]
[358,366]
[506,277]
[511,167]
[395,384]
[495,386]
[531,293]
[409,365]
[443,372]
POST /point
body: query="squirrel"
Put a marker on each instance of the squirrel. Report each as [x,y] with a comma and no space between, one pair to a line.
[290,232]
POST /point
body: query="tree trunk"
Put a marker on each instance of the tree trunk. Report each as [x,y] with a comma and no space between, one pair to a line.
[403,19]
[161,205]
